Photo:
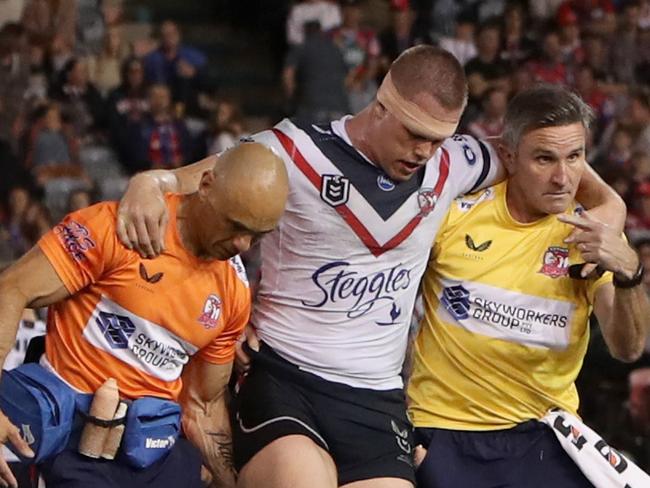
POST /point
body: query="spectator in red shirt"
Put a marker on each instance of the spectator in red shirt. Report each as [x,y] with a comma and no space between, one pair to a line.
[639,111]
[549,68]
[628,51]
[639,167]
[638,219]
[597,99]
[490,122]
[516,47]
[398,36]
[595,16]
[617,153]
[573,53]
[159,139]
[361,51]
[487,69]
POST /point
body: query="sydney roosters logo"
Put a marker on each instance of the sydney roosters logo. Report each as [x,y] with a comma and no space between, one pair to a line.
[154,278]
[426,201]
[211,311]
[555,262]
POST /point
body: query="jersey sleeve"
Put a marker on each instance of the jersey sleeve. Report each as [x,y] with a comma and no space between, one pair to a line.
[222,349]
[474,163]
[83,246]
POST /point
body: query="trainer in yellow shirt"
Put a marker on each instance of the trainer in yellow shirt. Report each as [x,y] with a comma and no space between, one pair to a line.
[505,328]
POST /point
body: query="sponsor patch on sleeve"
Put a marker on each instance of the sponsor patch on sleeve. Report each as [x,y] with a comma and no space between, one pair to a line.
[238,266]
[75,238]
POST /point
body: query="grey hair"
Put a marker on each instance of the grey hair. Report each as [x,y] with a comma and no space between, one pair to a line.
[543,106]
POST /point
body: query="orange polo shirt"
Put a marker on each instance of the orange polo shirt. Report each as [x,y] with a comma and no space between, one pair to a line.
[139,321]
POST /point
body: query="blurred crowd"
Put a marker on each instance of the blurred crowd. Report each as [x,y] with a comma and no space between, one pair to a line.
[86,99]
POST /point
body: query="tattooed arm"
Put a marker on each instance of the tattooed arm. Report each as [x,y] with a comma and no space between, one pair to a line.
[205,417]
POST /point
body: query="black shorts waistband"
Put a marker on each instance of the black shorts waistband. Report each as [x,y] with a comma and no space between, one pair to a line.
[423,435]
[270,361]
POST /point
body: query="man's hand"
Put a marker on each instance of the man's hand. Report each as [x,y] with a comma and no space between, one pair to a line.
[9,432]
[142,217]
[418,455]
[243,360]
[601,245]
[206,476]
[186,69]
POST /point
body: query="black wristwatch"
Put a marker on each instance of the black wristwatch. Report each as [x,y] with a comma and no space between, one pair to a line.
[632,282]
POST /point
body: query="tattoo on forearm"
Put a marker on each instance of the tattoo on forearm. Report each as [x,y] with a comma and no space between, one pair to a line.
[223,443]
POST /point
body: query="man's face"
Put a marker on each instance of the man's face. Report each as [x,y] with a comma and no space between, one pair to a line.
[546,168]
[552,48]
[497,104]
[135,74]
[585,81]
[639,113]
[488,42]
[79,74]
[170,35]
[159,99]
[352,16]
[231,227]
[400,152]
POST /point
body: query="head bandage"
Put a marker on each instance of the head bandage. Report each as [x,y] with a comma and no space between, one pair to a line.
[412,116]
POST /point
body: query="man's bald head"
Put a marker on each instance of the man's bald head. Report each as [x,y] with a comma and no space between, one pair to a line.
[432,71]
[243,197]
[254,179]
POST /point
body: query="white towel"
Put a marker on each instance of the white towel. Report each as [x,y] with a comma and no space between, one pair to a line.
[603,465]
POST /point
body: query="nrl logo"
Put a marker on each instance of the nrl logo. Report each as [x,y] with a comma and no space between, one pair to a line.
[335,190]
[469,242]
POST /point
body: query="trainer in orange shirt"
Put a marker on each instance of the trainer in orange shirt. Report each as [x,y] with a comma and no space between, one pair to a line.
[164,328]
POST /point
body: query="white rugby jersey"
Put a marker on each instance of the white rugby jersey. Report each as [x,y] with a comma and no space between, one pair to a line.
[341,272]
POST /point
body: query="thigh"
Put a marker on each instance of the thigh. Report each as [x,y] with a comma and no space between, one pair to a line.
[380,483]
[267,408]
[293,460]
[369,435]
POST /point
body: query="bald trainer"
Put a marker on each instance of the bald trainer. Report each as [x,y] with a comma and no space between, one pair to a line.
[165,329]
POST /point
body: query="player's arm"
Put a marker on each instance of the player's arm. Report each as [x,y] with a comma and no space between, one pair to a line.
[601,200]
[623,317]
[205,417]
[622,312]
[142,214]
[30,282]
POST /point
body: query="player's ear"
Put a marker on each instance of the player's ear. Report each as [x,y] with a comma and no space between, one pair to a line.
[379,111]
[206,184]
[506,155]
